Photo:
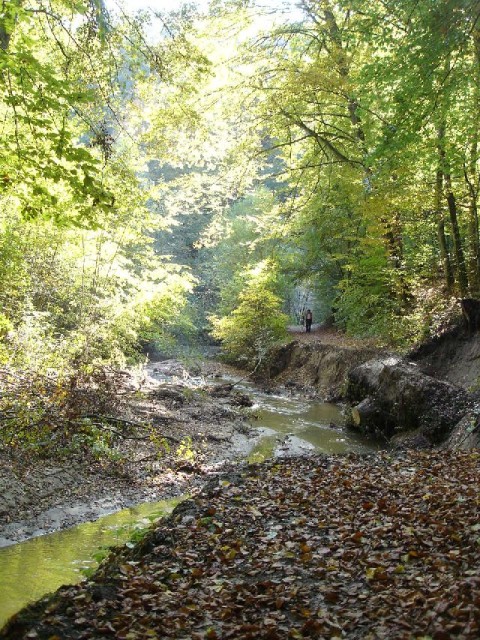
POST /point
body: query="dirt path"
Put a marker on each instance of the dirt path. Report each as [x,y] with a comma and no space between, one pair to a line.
[329,335]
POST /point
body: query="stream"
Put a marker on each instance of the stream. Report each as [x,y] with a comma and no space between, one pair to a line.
[286,424]
[31,569]
[295,425]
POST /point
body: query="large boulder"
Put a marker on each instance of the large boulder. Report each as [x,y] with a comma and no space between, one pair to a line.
[466,434]
[390,397]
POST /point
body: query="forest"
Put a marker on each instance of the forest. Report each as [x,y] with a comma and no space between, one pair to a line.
[174,176]
[179,183]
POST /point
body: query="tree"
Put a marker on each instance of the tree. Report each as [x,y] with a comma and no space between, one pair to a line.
[256,323]
[377,101]
[41,161]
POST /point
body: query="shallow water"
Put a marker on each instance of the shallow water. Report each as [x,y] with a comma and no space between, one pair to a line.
[31,569]
[308,426]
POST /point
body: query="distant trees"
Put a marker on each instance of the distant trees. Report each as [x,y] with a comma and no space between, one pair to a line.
[256,322]
[373,108]
[78,263]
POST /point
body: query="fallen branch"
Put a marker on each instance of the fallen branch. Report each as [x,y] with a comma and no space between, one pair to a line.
[130,423]
[124,421]
[211,437]
[259,362]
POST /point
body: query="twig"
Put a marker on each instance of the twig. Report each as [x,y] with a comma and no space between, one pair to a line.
[128,423]
[248,374]
[124,421]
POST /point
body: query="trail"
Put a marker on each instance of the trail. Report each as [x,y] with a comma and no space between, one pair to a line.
[328,335]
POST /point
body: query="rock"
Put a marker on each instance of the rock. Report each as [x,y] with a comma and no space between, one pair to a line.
[169,368]
[390,396]
[241,400]
[187,467]
[221,390]
[169,392]
[291,445]
[466,434]
[404,441]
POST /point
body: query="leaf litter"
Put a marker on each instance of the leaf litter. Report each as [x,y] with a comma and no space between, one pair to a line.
[377,546]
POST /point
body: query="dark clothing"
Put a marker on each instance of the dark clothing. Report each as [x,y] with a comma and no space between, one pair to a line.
[308,321]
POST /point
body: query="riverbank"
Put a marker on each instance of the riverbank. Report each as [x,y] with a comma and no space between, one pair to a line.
[377,546]
[343,546]
[168,439]
[174,431]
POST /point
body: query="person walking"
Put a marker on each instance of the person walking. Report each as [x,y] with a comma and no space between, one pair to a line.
[308,321]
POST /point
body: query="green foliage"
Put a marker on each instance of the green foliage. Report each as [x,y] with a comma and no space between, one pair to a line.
[255,323]
[83,288]
[185,450]
[145,186]
[44,168]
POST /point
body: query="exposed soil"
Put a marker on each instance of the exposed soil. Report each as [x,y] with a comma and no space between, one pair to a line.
[38,495]
[168,440]
[317,363]
[418,399]
[380,546]
[453,356]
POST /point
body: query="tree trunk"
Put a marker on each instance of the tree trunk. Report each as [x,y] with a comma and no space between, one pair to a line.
[442,240]
[457,239]
[474,254]
[394,241]
[471,175]
[364,414]
[8,9]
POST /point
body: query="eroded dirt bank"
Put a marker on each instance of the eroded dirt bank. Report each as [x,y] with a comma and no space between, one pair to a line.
[38,496]
[322,359]
[315,366]
[427,398]
[321,547]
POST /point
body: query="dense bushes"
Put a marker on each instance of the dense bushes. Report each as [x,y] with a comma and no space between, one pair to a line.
[255,323]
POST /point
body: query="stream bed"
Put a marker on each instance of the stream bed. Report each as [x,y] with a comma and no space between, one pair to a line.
[295,425]
[31,569]
[286,425]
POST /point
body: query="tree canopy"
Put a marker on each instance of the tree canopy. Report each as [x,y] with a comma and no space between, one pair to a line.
[171,175]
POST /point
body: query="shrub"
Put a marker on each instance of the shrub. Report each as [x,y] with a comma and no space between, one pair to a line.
[255,324]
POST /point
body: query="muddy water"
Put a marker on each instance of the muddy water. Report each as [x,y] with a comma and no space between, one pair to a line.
[286,425]
[38,566]
[292,424]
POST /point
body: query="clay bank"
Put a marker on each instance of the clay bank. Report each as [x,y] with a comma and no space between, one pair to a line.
[427,398]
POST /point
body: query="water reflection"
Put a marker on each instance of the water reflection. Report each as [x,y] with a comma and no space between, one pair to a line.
[38,566]
[320,424]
